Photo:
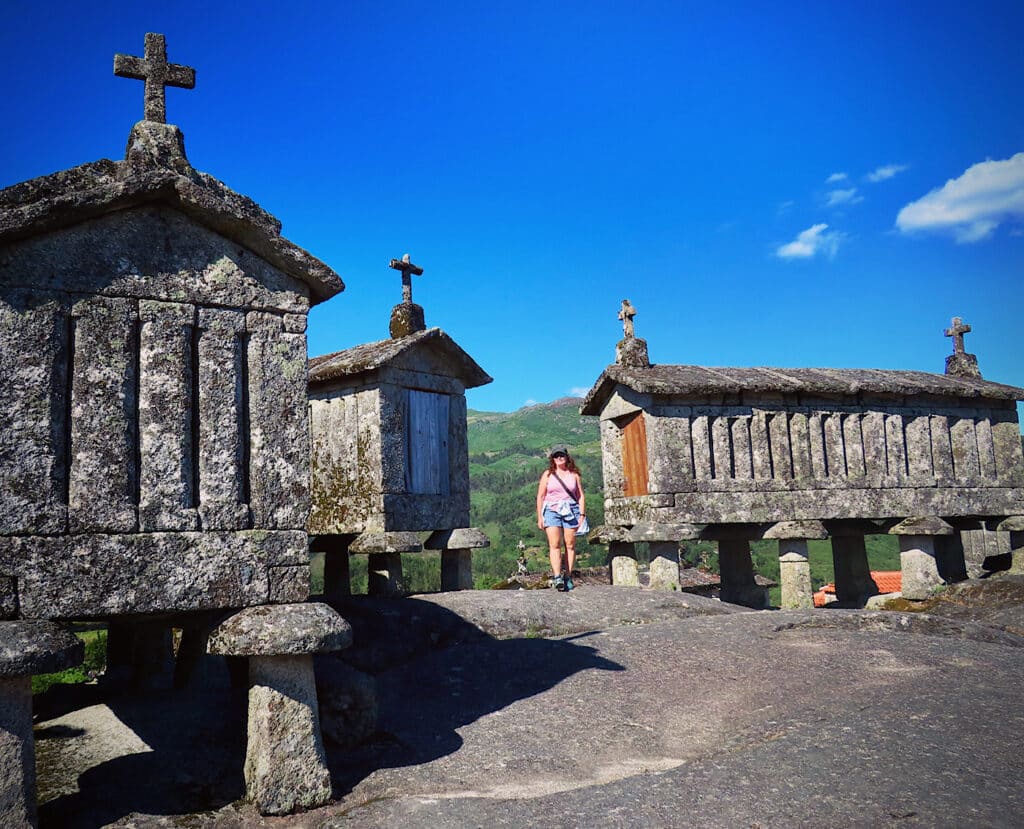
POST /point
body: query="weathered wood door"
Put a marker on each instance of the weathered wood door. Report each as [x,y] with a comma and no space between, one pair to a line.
[426,467]
[634,455]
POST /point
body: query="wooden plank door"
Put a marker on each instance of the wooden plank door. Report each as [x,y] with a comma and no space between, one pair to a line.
[634,455]
[427,443]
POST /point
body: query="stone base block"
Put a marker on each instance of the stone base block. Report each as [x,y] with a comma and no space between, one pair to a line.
[624,568]
[664,565]
[795,575]
[285,763]
[456,570]
[920,570]
[384,576]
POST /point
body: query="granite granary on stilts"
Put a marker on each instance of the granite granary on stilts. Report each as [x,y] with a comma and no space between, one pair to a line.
[737,454]
[390,452]
[154,463]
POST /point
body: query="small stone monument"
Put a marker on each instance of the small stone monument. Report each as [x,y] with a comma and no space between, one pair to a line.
[390,452]
[155,462]
[960,363]
[630,350]
[738,454]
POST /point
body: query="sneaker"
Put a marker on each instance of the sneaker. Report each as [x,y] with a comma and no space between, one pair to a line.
[568,583]
[558,583]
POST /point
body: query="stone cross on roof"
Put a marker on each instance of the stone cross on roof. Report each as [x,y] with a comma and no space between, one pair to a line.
[408,269]
[957,333]
[157,73]
[626,315]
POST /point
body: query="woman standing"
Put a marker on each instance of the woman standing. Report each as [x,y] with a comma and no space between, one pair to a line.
[560,507]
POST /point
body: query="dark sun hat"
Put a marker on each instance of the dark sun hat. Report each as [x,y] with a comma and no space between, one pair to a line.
[558,448]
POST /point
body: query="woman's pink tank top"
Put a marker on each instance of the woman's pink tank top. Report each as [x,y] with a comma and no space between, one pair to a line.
[555,492]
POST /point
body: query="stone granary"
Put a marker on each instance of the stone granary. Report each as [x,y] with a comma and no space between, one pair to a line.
[154,460]
[737,454]
[390,453]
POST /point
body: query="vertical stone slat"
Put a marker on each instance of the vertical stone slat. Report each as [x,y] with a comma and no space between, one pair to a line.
[986,448]
[743,461]
[760,447]
[368,453]
[670,451]
[942,449]
[167,477]
[278,426]
[223,451]
[964,440]
[458,448]
[1006,442]
[721,447]
[103,479]
[782,452]
[701,440]
[800,444]
[816,436]
[872,425]
[835,452]
[919,447]
[34,354]
[895,446]
[853,444]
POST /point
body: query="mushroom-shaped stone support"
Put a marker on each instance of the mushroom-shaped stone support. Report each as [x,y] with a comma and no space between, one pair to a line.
[456,548]
[794,564]
[917,554]
[26,648]
[285,764]
[384,577]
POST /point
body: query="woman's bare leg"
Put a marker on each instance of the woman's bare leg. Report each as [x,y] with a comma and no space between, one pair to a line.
[570,549]
[554,535]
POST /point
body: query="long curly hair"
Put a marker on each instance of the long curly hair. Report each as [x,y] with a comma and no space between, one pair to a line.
[570,464]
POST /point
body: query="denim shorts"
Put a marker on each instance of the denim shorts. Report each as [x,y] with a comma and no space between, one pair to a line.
[553,519]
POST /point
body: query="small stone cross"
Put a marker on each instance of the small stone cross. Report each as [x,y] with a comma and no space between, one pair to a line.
[408,269]
[626,315]
[157,73]
[957,333]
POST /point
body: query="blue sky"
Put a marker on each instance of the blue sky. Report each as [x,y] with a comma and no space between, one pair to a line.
[805,185]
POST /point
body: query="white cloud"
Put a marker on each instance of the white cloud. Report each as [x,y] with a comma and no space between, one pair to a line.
[579,391]
[836,177]
[810,242]
[885,172]
[838,197]
[972,206]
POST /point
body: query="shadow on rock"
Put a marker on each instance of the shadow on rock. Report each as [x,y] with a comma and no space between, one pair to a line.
[197,742]
[435,673]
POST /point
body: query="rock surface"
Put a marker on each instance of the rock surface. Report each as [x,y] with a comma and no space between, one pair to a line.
[737,719]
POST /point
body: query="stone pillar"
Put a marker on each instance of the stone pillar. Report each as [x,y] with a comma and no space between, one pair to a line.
[337,576]
[26,648]
[985,551]
[456,570]
[384,575]
[285,764]
[917,561]
[1014,527]
[794,567]
[623,565]
[140,655]
[456,548]
[795,574]
[664,565]
[737,570]
[917,555]
[853,573]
